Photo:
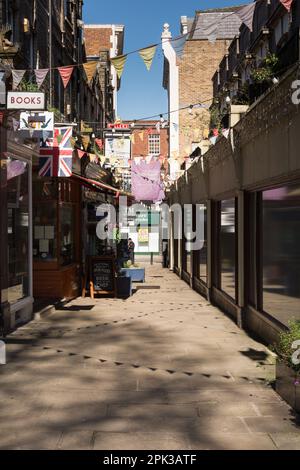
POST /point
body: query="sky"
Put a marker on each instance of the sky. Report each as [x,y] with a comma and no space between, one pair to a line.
[141,94]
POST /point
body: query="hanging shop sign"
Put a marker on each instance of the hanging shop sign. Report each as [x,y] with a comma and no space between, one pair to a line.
[118,126]
[118,147]
[25,100]
[102,276]
[43,122]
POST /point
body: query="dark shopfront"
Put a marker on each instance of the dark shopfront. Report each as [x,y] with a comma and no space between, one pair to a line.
[250,256]
[16,226]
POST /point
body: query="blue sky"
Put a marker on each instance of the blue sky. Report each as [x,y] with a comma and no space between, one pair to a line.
[142,94]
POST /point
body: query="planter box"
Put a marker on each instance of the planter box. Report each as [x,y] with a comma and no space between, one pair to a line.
[124,287]
[285,385]
[136,274]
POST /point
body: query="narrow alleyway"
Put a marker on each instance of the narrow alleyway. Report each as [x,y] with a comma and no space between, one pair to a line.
[162,370]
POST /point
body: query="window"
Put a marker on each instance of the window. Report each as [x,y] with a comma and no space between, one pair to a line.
[67,242]
[154,144]
[18,208]
[228,247]
[281,252]
[281,28]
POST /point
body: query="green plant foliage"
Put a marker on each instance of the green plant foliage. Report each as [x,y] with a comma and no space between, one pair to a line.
[28,86]
[267,70]
[58,116]
[284,347]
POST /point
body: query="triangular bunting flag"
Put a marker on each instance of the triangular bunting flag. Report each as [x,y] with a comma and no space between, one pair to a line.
[287,4]
[40,75]
[17,77]
[90,70]
[85,141]
[81,154]
[246,14]
[99,142]
[148,55]
[119,64]
[225,133]
[132,138]
[141,136]
[178,45]
[158,127]
[65,73]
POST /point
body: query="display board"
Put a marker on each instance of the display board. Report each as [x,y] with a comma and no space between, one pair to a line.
[102,275]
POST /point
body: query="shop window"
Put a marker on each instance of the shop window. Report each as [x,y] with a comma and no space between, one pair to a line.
[67,248]
[44,231]
[18,229]
[203,251]
[281,252]
[227,253]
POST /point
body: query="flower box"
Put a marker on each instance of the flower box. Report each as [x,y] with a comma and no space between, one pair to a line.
[288,385]
[136,274]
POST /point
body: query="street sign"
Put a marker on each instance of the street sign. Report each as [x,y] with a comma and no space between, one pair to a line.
[25,100]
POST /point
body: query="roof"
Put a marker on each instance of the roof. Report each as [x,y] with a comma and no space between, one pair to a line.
[227,22]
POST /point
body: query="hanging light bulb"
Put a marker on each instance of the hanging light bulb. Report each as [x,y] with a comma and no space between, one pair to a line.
[162,119]
[191,109]
[132,125]
[93,135]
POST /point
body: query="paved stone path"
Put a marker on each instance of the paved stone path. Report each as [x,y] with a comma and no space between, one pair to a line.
[162,370]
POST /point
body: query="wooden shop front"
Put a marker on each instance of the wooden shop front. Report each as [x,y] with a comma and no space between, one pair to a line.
[56,238]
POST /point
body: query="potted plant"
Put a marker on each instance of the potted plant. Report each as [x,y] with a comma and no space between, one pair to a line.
[288,365]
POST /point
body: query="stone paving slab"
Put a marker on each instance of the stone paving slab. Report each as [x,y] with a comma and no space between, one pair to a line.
[161,370]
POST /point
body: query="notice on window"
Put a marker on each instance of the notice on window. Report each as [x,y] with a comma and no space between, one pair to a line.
[49,232]
[39,232]
[44,246]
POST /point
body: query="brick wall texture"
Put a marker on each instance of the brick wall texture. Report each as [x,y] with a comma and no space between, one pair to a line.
[141,145]
[97,39]
[196,69]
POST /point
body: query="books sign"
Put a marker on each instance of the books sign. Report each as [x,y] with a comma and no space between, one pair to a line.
[25,100]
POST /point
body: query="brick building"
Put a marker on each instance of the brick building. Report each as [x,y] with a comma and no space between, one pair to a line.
[103,42]
[189,79]
[147,140]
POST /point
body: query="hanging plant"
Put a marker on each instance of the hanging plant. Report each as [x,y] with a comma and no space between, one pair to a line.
[267,70]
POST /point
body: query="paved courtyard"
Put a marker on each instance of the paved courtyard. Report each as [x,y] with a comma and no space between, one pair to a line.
[162,370]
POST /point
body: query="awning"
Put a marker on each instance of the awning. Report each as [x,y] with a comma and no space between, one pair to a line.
[97,185]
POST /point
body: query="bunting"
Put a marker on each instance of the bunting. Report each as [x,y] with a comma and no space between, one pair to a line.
[246,14]
[17,77]
[148,55]
[141,136]
[80,153]
[119,64]
[66,73]
[90,70]
[287,4]
[178,45]
[85,141]
[132,138]
[40,76]
[99,142]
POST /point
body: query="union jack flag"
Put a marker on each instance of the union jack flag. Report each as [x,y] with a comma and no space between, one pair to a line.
[56,154]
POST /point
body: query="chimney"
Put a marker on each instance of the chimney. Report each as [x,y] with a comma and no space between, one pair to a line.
[184,25]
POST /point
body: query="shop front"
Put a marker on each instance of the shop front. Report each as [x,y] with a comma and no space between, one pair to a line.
[56,238]
[16,227]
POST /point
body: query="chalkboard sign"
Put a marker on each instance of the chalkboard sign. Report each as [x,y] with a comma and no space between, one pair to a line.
[102,275]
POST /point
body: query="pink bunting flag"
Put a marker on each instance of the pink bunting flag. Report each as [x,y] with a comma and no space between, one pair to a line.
[66,73]
[17,77]
[40,75]
[81,154]
[287,4]
[99,142]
